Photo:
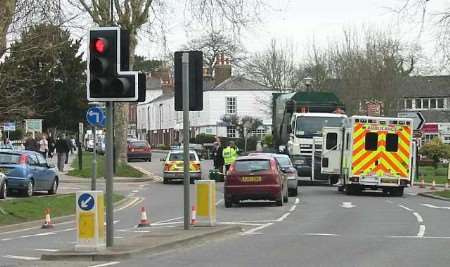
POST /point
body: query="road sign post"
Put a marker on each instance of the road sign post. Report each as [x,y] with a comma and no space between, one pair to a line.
[185,64]
[90,221]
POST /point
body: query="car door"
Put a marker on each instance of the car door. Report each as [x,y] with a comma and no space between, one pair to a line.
[36,171]
[47,174]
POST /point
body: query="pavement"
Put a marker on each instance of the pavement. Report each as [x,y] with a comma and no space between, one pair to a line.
[320,227]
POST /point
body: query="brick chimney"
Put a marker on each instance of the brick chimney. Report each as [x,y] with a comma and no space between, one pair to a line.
[222,70]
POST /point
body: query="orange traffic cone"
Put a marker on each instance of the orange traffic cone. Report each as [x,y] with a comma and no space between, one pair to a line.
[422,183]
[194,216]
[433,185]
[144,221]
[47,223]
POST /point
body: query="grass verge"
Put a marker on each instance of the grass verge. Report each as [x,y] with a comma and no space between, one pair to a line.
[21,210]
[428,173]
[123,169]
[445,193]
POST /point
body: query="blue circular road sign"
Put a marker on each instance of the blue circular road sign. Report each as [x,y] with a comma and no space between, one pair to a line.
[86,201]
[95,117]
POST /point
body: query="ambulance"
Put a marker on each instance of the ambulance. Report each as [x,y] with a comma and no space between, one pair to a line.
[370,153]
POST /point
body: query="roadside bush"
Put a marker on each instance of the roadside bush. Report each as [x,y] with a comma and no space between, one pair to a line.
[203,138]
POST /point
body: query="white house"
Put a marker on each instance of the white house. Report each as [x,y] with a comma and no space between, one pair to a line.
[223,95]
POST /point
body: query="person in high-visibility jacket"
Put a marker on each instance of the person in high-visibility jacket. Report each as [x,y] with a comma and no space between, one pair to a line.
[230,154]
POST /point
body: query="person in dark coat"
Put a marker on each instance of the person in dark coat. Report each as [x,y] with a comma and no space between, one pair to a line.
[51,145]
[68,149]
[31,144]
[218,157]
[61,151]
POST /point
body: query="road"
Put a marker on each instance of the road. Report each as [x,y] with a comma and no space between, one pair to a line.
[322,228]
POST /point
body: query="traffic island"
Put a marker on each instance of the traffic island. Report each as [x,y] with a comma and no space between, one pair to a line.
[154,240]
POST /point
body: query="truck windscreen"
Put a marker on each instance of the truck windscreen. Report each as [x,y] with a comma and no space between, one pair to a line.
[312,126]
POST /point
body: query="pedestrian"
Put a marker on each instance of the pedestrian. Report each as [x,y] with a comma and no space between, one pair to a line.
[51,145]
[229,155]
[43,146]
[218,156]
[61,152]
[68,148]
[31,144]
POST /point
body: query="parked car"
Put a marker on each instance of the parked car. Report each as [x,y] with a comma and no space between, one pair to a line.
[28,172]
[90,145]
[254,178]
[3,188]
[139,149]
[6,146]
[287,168]
[100,147]
[174,168]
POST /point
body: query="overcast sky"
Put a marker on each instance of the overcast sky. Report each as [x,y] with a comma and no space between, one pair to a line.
[300,22]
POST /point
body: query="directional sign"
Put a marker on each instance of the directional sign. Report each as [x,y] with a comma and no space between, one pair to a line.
[418,119]
[9,126]
[95,116]
[86,201]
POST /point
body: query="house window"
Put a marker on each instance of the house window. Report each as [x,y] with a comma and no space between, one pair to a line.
[440,103]
[418,103]
[231,131]
[433,104]
[425,103]
[408,103]
[231,105]
[261,132]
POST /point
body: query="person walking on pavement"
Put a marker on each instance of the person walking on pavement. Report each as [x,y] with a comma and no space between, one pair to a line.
[51,145]
[31,144]
[68,148]
[61,151]
[43,146]
[229,155]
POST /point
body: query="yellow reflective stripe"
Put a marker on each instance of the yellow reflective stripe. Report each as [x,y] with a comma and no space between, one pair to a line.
[360,165]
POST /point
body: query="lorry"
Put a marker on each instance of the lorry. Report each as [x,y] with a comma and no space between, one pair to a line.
[370,153]
[298,119]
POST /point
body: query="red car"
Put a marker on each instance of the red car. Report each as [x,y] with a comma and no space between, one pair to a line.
[139,150]
[255,177]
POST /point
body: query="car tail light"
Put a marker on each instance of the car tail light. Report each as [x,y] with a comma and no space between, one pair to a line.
[167,167]
[196,165]
[23,159]
[231,169]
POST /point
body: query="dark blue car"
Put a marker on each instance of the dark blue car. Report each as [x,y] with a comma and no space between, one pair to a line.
[28,172]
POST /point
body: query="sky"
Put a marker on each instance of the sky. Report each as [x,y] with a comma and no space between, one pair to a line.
[301,23]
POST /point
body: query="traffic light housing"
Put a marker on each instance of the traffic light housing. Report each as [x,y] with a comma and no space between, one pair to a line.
[195,80]
[108,75]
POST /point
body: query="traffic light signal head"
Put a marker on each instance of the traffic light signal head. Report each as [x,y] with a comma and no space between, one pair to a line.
[109,78]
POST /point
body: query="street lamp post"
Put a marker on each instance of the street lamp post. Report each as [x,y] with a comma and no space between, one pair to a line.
[308,83]
[160,123]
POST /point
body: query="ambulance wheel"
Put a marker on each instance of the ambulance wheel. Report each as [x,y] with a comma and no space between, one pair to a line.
[397,192]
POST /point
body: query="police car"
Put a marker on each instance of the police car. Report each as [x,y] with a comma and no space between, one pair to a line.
[174,166]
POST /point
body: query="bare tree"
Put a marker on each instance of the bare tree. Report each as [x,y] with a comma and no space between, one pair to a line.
[275,67]
[369,65]
[214,44]
[133,14]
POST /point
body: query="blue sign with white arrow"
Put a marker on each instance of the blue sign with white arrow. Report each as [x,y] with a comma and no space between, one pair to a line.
[95,117]
[86,201]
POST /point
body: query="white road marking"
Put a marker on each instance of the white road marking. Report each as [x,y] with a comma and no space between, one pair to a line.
[389,201]
[135,191]
[218,202]
[21,258]
[292,208]
[347,205]
[254,230]
[297,200]
[134,201]
[47,249]
[282,218]
[411,194]
[421,232]
[170,220]
[40,234]
[320,234]
[142,185]
[240,223]
[17,231]
[166,223]
[435,207]
[406,208]
[419,218]
[106,264]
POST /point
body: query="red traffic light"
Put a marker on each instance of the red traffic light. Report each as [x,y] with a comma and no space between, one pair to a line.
[100,45]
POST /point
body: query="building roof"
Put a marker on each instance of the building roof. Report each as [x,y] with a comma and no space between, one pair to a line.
[238,83]
[163,97]
[426,86]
